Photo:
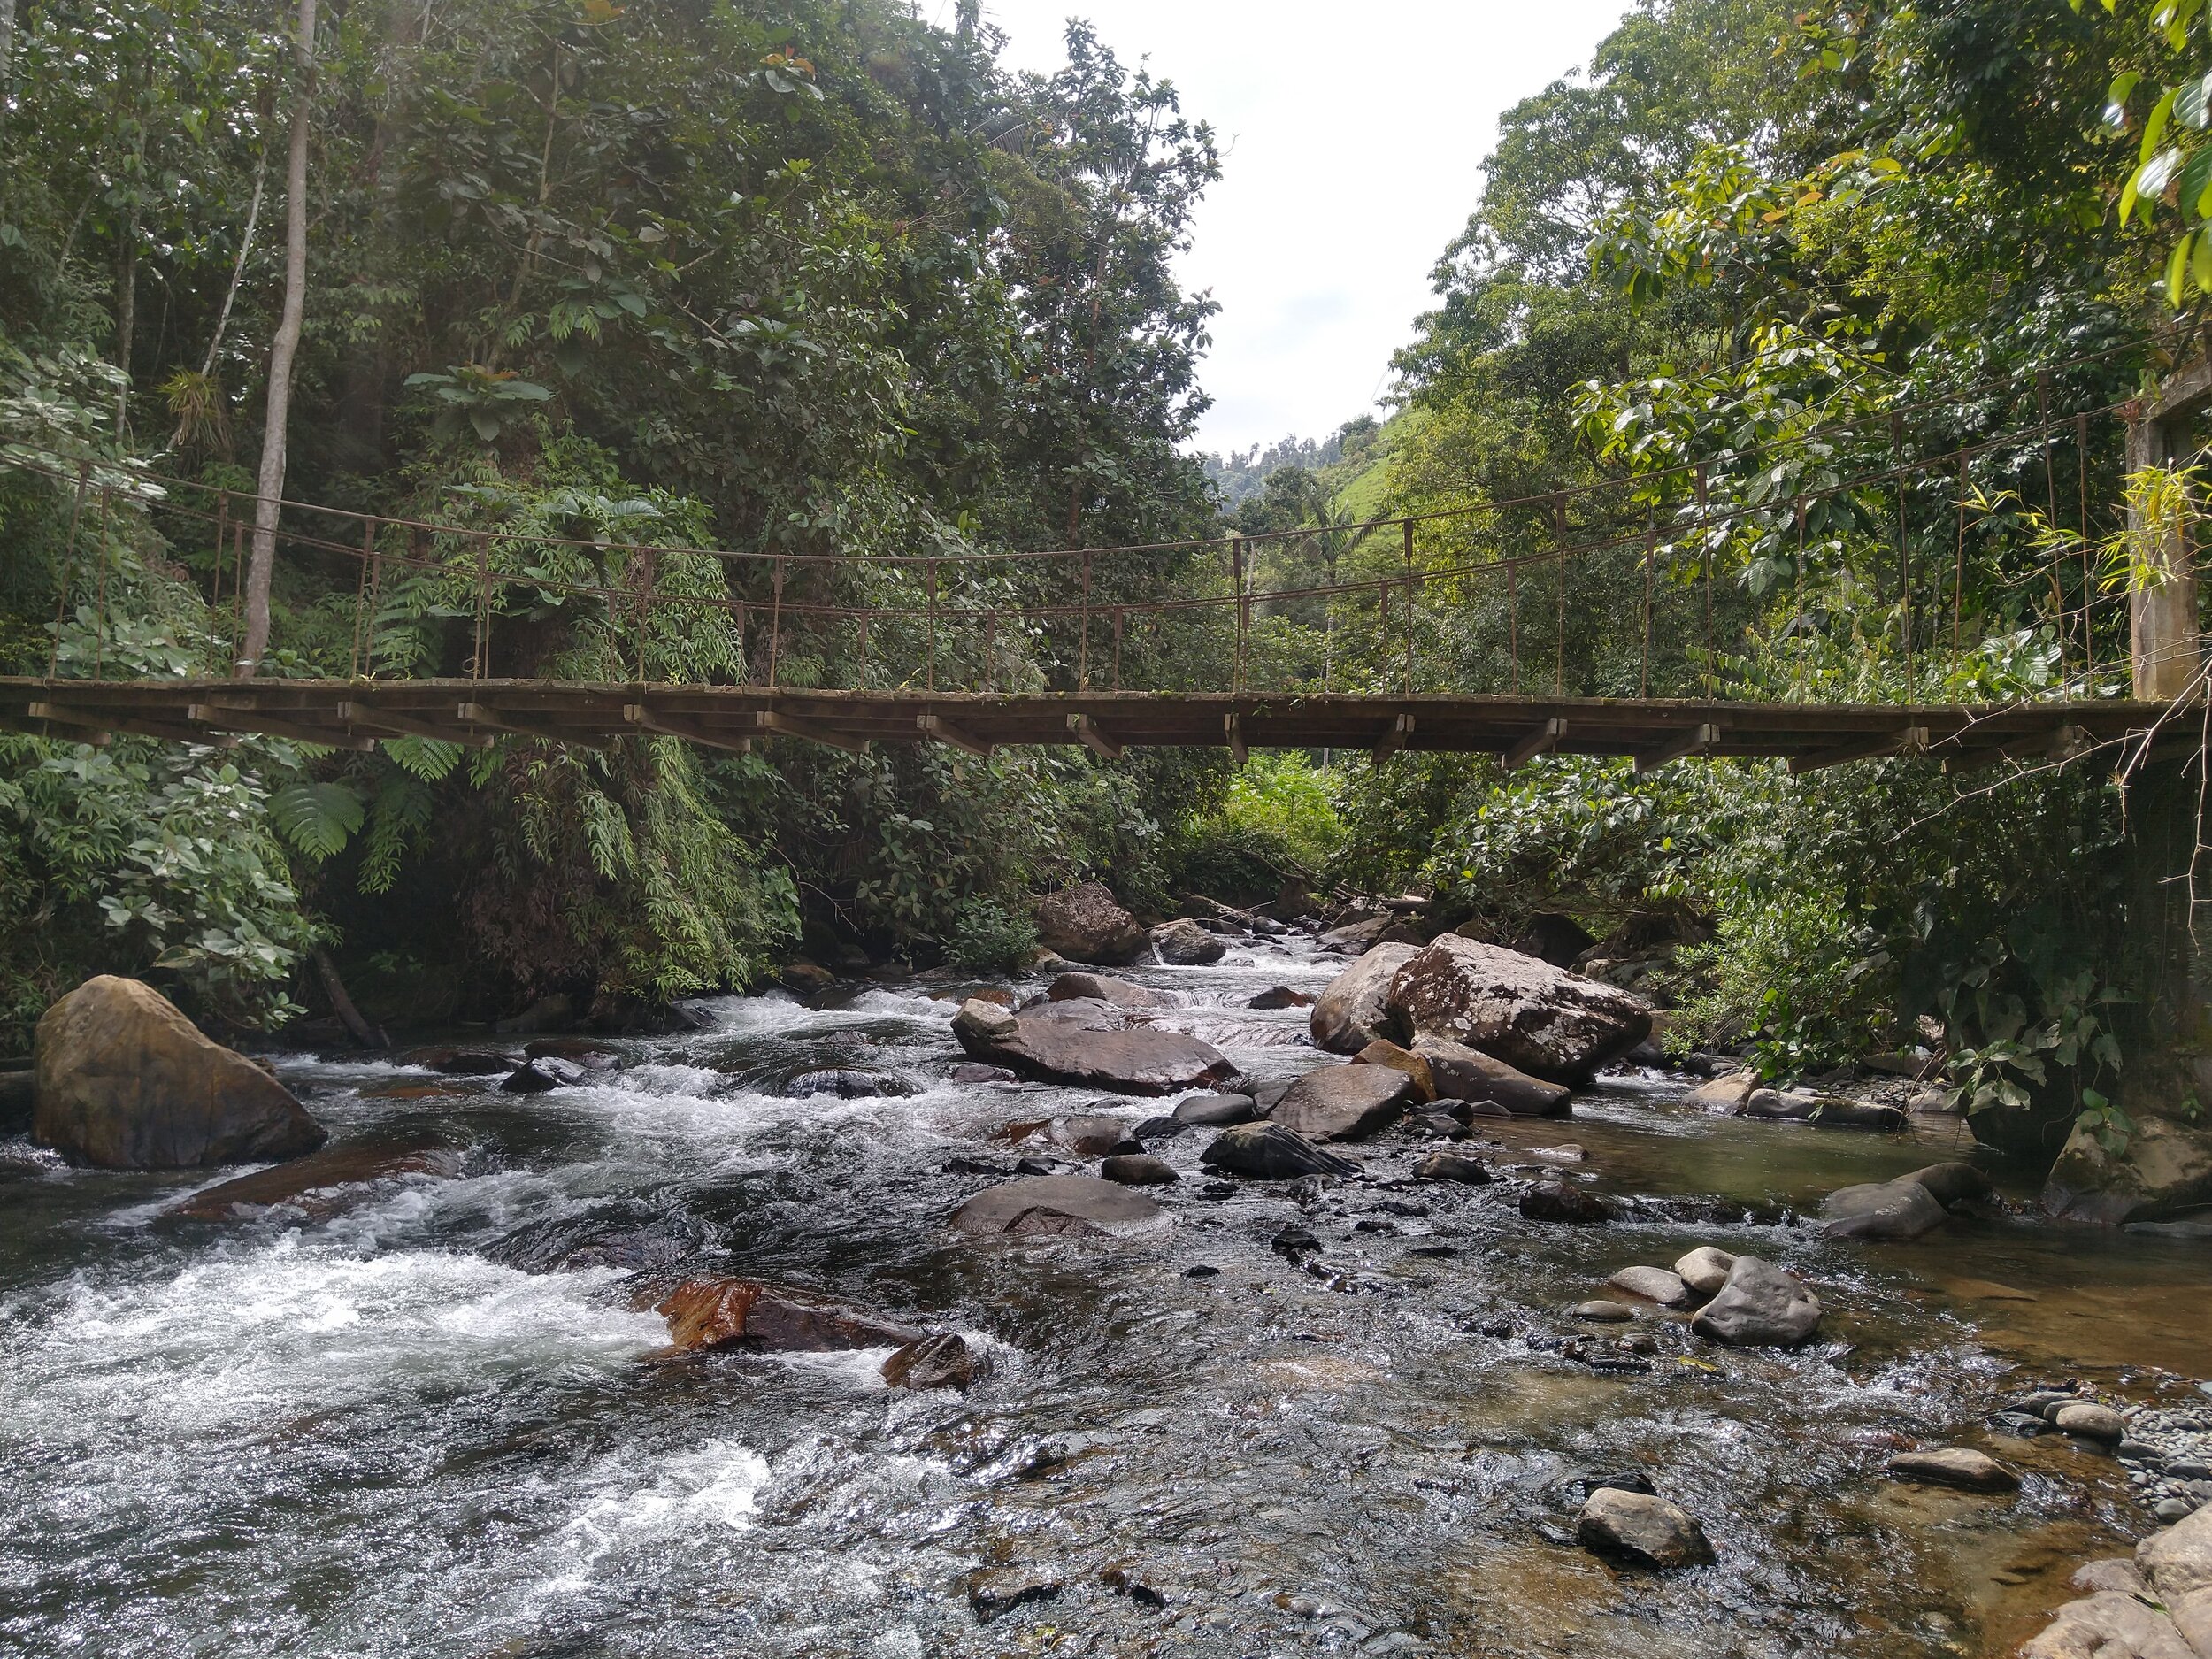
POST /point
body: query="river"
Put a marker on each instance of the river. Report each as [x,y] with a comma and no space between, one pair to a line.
[377,1435]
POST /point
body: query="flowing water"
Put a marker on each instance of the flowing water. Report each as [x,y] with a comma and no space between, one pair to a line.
[376,1435]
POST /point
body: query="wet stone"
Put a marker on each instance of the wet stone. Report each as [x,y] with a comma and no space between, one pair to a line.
[1159,1129]
[1562,1200]
[1139,1169]
[2089,1421]
[1643,1528]
[540,1077]
[1217,1111]
[1294,1241]
[1453,1166]
[1267,1151]
[997,1592]
[975,1072]
[1760,1306]
[1653,1284]
[1960,1466]
[1704,1270]
[942,1361]
[1605,1312]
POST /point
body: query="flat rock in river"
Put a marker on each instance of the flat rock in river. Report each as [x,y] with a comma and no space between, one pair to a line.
[1540,1019]
[1760,1306]
[1653,1284]
[2178,1562]
[1344,1103]
[1705,1269]
[1960,1466]
[1105,988]
[1101,1204]
[1085,1042]
[2110,1625]
[1354,1009]
[1217,1111]
[1183,943]
[1899,1209]
[328,1182]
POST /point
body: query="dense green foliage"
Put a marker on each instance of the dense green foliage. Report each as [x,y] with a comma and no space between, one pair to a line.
[791,279]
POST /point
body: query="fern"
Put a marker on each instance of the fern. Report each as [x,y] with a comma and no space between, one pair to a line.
[425,757]
[316,819]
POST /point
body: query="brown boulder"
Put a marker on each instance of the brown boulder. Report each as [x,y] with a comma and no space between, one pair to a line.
[706,1314]
[1183,943]
[1344,1103]
[1541,1019]
[1382,1051]
[1469,1074]
[1085,923]
[328,1182]
[1355,1008]
[1106,988]
[124,1082]
[1083,1042]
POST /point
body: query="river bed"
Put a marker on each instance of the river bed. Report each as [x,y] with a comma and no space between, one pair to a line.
[376,1435]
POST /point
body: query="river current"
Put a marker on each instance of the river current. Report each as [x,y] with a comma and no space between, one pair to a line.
[377,1434]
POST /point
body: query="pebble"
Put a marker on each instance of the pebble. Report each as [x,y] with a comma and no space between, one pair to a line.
[2171,1509]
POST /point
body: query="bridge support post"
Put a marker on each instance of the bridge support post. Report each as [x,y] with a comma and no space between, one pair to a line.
[2166,648]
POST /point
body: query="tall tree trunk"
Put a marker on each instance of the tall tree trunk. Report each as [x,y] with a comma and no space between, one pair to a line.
[125,316]
[262,563]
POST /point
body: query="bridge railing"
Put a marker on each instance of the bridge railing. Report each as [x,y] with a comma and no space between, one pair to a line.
[1958,573]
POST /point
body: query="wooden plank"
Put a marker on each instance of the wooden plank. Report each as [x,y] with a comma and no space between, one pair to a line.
[691,731]
[1909,739]
[524,726]
[1692,741]
[785,726]
[1087,732]
[935,725]
[223,717]
[24,723]
[1233,729]
[90,720]
[385,723]
[1394,739]
[1542,740]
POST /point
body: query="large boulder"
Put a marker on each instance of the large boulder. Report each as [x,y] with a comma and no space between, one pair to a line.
[1760,1306]
[2109,1625]
[1085,923]
[1086,1043]
[1101,1205]
[1270,1152]
[2156,1168]
[1538,1018]
[2178,1561]
[707,1313]
[1469,1074]
[329,1182]
[1904,1207]
[124,1082]
[1183,943]
[1345,1103]
[1355,1008]
[1830,1111]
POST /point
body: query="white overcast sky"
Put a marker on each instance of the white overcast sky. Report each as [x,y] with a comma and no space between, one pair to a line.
[1353,134]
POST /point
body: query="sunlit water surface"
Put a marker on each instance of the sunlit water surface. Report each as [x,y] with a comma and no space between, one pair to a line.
[371,1437]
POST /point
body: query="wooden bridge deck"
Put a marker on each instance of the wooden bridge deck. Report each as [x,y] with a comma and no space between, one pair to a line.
[354,714]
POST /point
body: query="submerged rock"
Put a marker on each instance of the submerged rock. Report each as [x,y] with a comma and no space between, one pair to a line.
[1760,1306]
[1905,1207]
[1960,1466]
[123,1081]
[460,1062]
[1271,1152]
[1098,1204]
[1281,996]
[329,1182]
[1086,1135]
[1540,1019]
[1604,1312]
[1344,1103]
[1469,1074]
[707,1314]
[1183,943]
[1564,1201]
[1354,1009]
[847,1083]
[942,1361]
[627,1233]
[1083,1042]
[1085,923]
[1138,1169]
[1644,1528]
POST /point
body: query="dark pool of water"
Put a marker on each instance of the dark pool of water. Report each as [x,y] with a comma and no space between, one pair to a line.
[370,1437]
